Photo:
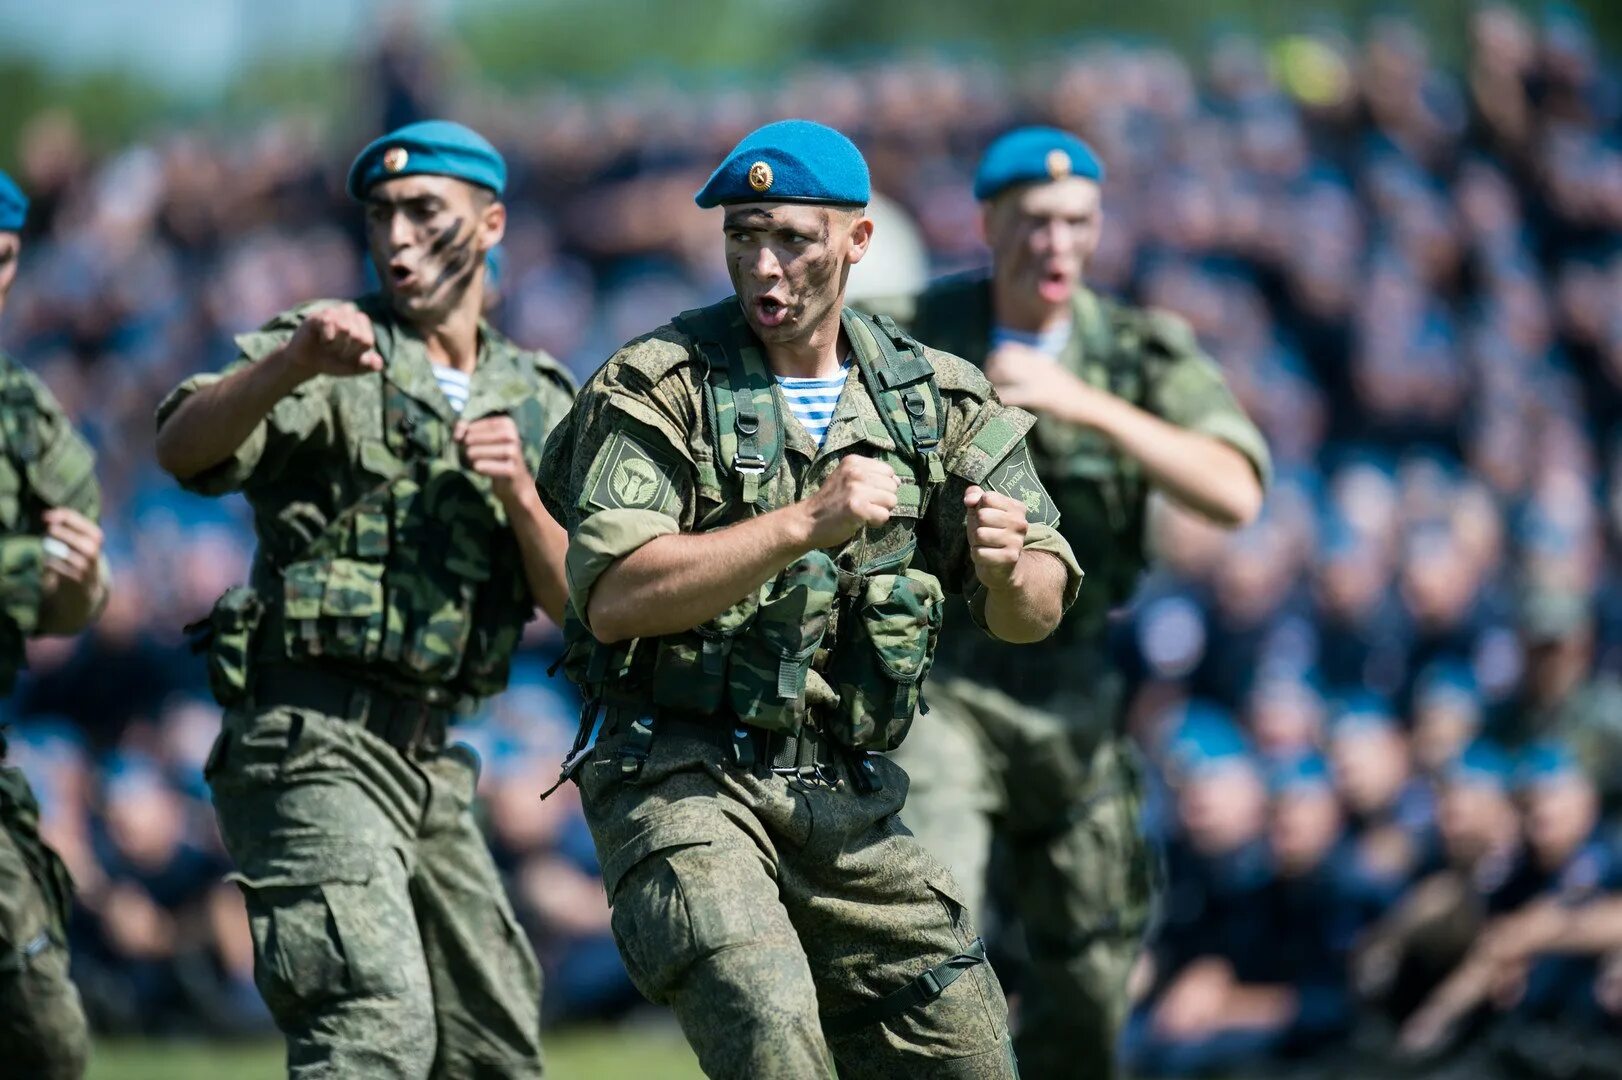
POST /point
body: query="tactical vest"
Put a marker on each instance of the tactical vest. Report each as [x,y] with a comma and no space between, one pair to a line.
[40,468]
[1101,495]
[418,585]
[840,640]
[19,817]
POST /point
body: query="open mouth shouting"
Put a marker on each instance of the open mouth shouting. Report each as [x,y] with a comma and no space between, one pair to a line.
[1054,286]
[770,311]
[402,277]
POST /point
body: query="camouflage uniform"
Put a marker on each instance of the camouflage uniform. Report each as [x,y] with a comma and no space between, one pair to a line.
[1024,745]
[760,880]
[43,464]
[387,591]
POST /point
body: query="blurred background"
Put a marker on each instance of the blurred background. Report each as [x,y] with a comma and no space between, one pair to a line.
[1383,725]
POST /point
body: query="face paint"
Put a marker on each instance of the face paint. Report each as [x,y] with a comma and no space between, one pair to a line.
[10,249]
[788,264]
[423,245]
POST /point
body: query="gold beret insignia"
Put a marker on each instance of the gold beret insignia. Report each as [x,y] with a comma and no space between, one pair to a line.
[395,158]
[760,176]
[1058,164]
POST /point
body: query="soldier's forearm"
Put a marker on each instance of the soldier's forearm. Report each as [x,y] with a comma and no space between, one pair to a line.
[1031,606]
[676,582]
[1203,474]
[542,545]
[208,427]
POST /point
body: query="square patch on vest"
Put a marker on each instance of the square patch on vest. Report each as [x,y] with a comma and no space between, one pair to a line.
[629,475]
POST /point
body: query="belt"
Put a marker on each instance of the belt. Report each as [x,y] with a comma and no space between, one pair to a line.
[809,756]
[408,724]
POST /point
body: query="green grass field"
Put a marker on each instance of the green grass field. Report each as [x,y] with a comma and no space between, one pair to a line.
[608,1054]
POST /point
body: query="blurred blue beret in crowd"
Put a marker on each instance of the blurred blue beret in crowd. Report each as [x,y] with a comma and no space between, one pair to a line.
[1547,762]
[1303,774]
[429,148]
[1481,762]
[790,161]
[1205,738]
[1362,713]
[1031,155]
[1448,683]
[13,205]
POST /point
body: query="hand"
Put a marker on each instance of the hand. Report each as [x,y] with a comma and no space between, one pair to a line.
[1192,1007]
[1029,379]
[996,528]
[1516,938]
[493,447]
[336,341]
[72,550]
[1425,1032]
[858,494]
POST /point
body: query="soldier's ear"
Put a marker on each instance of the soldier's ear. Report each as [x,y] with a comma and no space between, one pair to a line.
[861,236]
[492,224]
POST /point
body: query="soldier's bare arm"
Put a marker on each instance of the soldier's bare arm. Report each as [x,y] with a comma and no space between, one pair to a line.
[212,423]
[1202,473]
[1024,589]
[494,448]
[676,582]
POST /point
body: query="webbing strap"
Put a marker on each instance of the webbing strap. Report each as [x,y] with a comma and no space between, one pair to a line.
[744,382]
[906,374]
[919,991]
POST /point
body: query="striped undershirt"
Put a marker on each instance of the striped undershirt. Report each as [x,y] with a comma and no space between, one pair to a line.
[454,384]
[812,401]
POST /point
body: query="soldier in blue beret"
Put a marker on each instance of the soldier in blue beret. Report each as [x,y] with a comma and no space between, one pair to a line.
[53,580]
[768,500]
[1127,405]
[388,446]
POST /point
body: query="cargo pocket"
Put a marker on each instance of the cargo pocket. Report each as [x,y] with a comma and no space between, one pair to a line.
[326,927]
[691,671]
[766,678]
[333,608]
[881,662]
[672,907]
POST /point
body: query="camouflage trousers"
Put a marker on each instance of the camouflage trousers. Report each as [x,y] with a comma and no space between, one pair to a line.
[384,943]
[759,908]
[1065,808]
[42,1025]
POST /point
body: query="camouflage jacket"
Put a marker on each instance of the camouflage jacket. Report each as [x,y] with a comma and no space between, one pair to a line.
[641,457]
[1149,358]
[380,551]
[44,463]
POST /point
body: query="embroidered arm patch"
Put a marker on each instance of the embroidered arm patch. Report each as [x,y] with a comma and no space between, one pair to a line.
[1015,476]
[628,474]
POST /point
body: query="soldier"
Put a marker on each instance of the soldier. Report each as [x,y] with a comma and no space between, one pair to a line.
[388,448]
[768,499]
[1026,746]
[55,582]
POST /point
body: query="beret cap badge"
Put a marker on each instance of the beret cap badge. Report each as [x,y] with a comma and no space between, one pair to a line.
[1058,164]
[760,176]
[395,158]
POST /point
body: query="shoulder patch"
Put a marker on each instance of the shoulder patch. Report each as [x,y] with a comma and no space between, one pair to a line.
[654,355]
[630,474]
[1167,331]
[1015,476]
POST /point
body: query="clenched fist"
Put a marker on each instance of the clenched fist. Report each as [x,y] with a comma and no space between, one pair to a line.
[996,528]
[493,447]
[859,493]
[335,341]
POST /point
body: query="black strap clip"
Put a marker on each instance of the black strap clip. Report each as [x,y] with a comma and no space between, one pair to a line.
[921,990]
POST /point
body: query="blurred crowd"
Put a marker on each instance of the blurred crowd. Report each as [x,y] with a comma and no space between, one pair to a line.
[1384,724]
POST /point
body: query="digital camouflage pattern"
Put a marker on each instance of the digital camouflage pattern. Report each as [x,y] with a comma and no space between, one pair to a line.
[649,408]
[44,463]
[379,552]
[758,908]
[751,902]
[1023,744]
[384,942]
[42,1025]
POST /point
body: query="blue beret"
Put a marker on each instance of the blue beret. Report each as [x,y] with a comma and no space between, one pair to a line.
[1361,712]
[1480,763]
[1032,154]
[429,148]
[1205,739]
[1546,761]
[1448,681]
[790,161]
[13,205]
[1301,774]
